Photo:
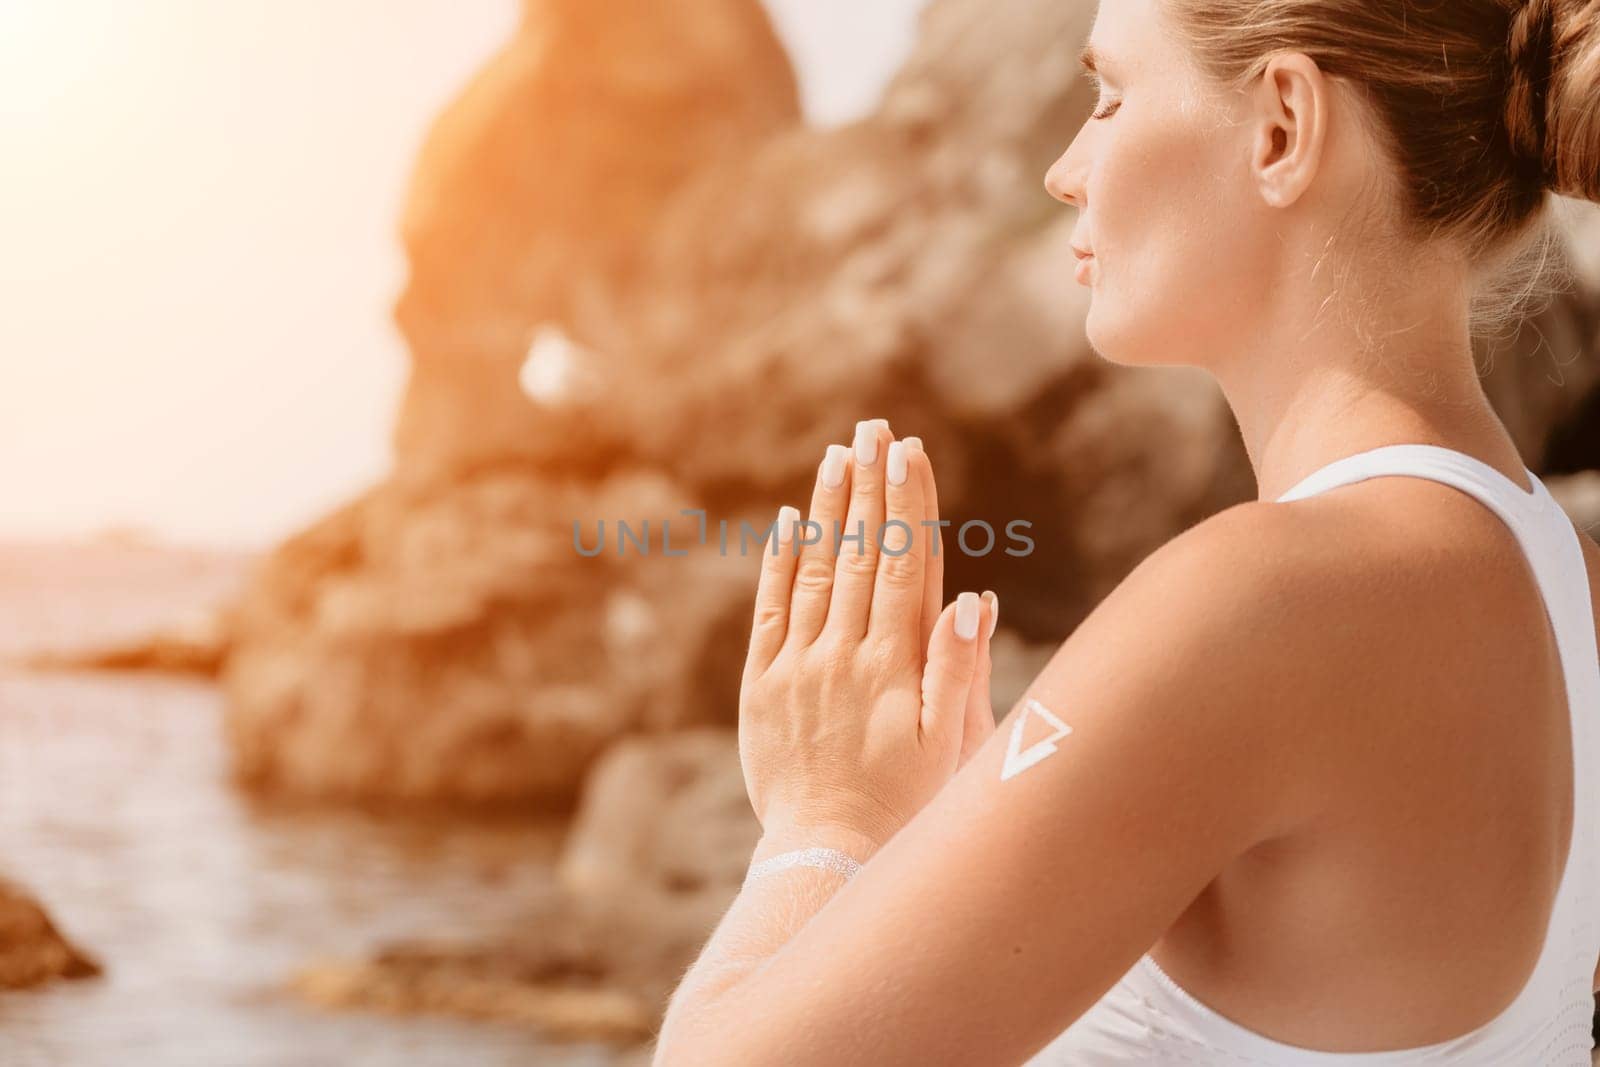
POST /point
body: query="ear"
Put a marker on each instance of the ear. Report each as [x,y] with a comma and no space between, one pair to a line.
[1292,103]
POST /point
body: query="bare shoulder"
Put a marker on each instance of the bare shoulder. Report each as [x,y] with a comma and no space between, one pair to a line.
[1255,585]
[1266,636]
[1224,648]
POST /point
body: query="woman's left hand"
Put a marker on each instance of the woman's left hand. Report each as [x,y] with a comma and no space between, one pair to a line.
[860,698]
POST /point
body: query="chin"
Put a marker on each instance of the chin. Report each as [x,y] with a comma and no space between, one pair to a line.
[1124,337]
[1110,341]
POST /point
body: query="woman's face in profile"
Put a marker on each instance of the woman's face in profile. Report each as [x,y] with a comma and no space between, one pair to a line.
[1159,174]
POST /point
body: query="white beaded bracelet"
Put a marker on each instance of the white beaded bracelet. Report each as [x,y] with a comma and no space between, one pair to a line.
[830,859]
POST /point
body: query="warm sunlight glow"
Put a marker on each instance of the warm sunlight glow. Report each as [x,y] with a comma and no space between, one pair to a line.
[199,204]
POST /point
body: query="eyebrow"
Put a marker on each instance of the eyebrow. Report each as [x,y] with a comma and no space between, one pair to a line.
[1089,59]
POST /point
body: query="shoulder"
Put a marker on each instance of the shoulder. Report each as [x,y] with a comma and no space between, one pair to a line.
[1254,585]
[1327,583]
[1234,646]
[1173,730]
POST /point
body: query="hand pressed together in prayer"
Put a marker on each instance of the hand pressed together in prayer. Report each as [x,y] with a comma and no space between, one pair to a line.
[860,696]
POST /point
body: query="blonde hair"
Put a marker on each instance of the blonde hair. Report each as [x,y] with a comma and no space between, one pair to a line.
[1483,106]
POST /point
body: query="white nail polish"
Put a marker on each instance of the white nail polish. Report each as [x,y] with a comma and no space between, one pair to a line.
[833,466]
[994,609]
[967,616]
[881,422]
[914,442]
[897,463]
[788,516]
[866,442]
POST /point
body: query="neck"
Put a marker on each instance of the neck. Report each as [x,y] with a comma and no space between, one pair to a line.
[1341,369]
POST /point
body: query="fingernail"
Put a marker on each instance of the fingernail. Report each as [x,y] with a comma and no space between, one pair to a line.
[833,466]
[914,442]
[881,422]
[897,463]
[866,442]
[967,616]
[788,516]
[994,609]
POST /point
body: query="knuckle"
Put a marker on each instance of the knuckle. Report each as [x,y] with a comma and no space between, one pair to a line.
[771,616]
[900,573]
[898,539]
[857,564]
[828,653]
[814,574]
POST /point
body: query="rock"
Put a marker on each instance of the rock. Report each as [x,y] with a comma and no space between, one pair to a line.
[448,644]
[657,851]
[664,815]
[539,176]
[643,1056]
[199,647]
[32,950]
[155,606]
[1542,374]
[405,984]
[1579,496]
[439,639]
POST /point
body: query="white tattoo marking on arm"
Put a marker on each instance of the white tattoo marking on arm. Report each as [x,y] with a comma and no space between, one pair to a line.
[1017,760]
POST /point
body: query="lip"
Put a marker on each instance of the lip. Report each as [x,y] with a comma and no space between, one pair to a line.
[1081,271]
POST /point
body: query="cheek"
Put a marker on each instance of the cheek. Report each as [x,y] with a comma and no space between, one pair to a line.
[1175,235]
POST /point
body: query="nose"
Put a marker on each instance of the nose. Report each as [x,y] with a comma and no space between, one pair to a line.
[1064,179]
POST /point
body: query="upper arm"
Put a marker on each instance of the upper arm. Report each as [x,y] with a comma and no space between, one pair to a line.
[1005,908]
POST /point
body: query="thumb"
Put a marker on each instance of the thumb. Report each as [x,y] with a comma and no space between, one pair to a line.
[947,676]
[978,722]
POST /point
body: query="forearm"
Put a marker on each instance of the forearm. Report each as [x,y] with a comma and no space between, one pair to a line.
[759,922]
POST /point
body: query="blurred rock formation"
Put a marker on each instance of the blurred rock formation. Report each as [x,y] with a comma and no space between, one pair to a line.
[32,950]
[657,850]
[439,638]
[542,174]
[734,290]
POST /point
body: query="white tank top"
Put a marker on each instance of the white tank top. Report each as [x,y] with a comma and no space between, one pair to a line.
[1148,1018]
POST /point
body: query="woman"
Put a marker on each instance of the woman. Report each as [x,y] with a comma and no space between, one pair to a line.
[1316,783]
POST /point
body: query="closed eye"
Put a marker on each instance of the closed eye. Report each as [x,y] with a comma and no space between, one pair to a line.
[1107,110]
[1102,110]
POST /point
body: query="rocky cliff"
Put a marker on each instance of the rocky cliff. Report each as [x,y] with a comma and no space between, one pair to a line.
[439,639]
[32,950]
[735,290]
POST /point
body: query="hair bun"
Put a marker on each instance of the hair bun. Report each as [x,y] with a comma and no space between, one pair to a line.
[1531,49]
[1553,99]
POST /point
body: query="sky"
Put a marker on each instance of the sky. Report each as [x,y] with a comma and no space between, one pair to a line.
[198,249]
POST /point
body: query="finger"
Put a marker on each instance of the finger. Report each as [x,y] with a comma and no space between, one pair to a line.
[813,580]
[978,724]
[895,611]
[952,661]
[856,569]
[774,589]
[930,537]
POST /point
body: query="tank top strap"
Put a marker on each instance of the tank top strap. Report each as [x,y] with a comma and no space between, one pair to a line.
[1468,473]
[1555,555]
